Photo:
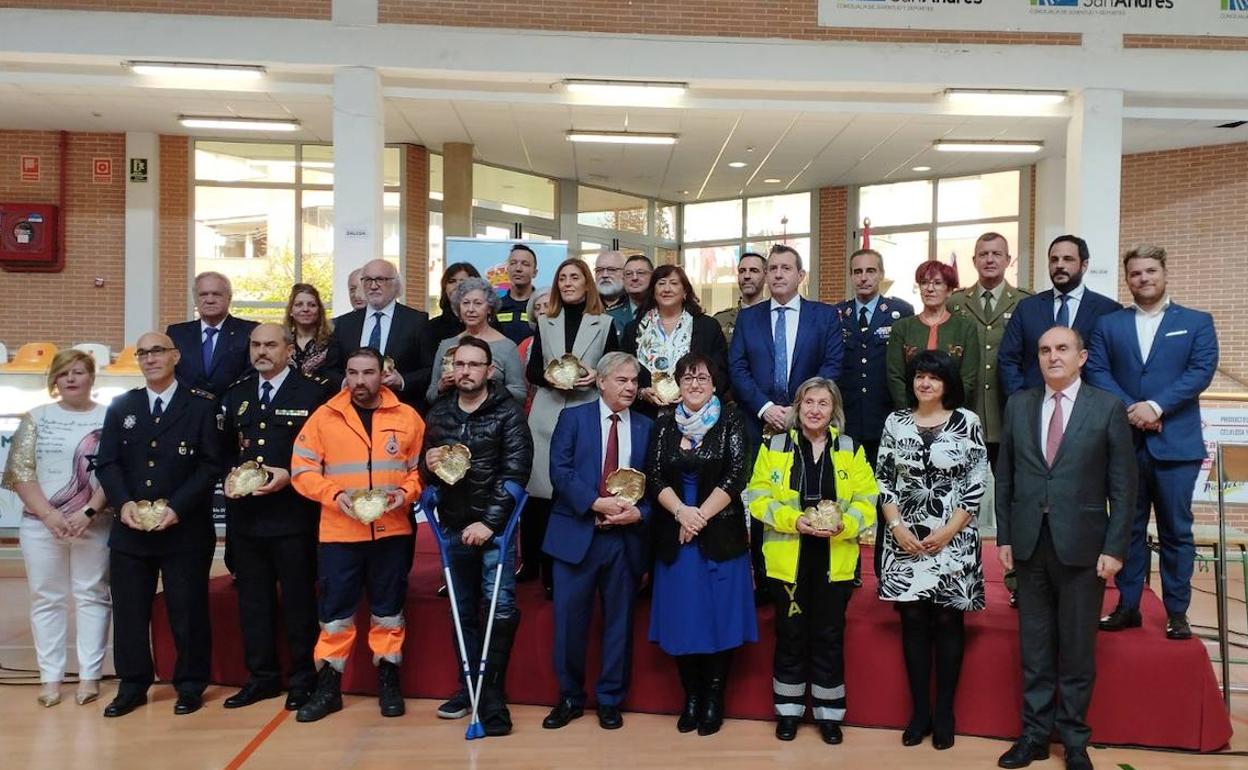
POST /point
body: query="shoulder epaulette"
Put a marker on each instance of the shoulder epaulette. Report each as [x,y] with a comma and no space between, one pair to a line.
[203,394]
[246,377]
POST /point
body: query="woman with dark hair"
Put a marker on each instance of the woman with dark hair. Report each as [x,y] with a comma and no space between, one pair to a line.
[932,472]
[311,329]
[669,324]
[447,323]
[703,606]
[933,328]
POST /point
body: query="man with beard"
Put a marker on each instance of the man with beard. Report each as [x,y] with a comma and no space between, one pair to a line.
[609,275]
[751,279]
[1068,303]
[513,314]
[481,415]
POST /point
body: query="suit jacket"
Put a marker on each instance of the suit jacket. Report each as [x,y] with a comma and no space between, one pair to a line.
[1016,358]
[230,357]
[1095,466]
[864,374]
[407,344]
[986,401]
[267,436]
[575,470]
[1180,365]
[751,357]
[706,338]
[178,459]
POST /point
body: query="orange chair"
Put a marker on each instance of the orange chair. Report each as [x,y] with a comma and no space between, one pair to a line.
[127,362]
[33,357]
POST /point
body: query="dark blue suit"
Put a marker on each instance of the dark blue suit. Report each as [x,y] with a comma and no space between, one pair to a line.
[1017,359]
[230,357]
[589,559]
[1180,365]
[864,374]
[751,357]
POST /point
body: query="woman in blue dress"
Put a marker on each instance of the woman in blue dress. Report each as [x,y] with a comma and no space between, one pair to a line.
[703,605]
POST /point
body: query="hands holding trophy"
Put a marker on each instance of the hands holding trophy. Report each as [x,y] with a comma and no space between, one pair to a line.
[822,519]
[627,486]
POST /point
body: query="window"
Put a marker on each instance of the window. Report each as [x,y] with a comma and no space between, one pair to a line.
[264,216]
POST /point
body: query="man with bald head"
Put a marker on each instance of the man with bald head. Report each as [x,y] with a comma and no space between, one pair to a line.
[273,529]
[353,289]
[390,327]
[160,443]
[609,276]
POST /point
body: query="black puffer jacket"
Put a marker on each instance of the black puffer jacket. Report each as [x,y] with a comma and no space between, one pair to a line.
[497,434]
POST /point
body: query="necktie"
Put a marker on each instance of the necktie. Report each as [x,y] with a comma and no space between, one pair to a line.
[1054,438]
[864,321]
[158,409]
[266,394]
[780,376]
[611,462]
[1063,312]
[987,303]
[374,337]
[209,334]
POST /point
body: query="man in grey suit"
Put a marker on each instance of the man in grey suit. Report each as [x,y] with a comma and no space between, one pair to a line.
[1066,450]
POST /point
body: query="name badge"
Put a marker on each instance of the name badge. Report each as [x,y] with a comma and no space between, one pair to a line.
[291,412]
[883,331]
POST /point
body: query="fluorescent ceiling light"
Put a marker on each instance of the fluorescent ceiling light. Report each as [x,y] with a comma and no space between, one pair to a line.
[991,145]
[197,70]
[921,168]
[620,137]
[1014,97]
[771,180]
[737,164]
[237,124]
[630,90]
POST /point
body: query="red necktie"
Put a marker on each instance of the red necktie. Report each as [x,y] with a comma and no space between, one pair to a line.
[612,461]
[1053,441]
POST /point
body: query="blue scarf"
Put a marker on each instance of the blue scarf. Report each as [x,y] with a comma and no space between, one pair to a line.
[695,425]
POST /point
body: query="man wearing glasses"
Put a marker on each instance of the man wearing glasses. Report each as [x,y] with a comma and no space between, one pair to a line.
[609,275]
[160,442]
[637,271]
[391,328]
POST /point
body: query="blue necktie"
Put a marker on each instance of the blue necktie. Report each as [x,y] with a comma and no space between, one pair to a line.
[374,338]
[780,377]
[158,409]
[1063,312]
[206,348]
[266,393]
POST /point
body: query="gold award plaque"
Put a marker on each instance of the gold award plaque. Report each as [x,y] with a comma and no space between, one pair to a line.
[627,483]
[826,515]
[368,504]
[563,372]
[455,463]
[665,387]
[245,479]
[150,513]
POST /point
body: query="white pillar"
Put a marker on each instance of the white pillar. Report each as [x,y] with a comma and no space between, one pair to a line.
[1094,181]
[142,236]
[359,141]
[1050,216]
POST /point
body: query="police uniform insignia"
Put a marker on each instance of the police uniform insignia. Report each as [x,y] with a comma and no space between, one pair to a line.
[220,421]
[242,408]
[1007,315]
[291,412]
[203,394]
[896,315]
[392,445]
[129,421]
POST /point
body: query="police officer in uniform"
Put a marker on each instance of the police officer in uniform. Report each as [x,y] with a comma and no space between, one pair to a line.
[274,528]
[160,442]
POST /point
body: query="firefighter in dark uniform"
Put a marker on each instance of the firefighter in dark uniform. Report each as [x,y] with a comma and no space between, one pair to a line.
[160,442]
[274,528]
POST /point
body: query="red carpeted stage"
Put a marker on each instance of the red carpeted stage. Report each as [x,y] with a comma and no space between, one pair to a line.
[1150,691]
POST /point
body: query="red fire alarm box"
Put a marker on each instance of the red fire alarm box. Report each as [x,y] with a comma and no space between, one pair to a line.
[28,235]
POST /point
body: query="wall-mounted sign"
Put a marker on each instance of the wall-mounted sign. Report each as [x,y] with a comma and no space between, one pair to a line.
[102,170]
[1145,17]
[30,168]
[138,169]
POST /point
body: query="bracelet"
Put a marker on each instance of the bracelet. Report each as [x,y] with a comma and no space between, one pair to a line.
[892,524]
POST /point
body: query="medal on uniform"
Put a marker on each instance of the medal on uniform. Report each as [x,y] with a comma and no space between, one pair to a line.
[128,422]
[896,315]
[242,408]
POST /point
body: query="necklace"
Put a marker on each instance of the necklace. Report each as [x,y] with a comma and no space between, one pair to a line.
[822,465]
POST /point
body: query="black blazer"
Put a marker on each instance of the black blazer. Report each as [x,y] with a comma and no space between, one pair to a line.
[706,338]
[178,459]
[230,357]
[721,460]
[408,344]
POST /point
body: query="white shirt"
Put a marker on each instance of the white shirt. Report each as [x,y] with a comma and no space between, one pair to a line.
[203,333]
[1046,410]
[625,435]
[790,332]
[1074,298]
[387,317]
[165,397]
[276,382]
[1146,326]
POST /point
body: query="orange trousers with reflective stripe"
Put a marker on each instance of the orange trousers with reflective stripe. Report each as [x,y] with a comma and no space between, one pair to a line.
[347,572]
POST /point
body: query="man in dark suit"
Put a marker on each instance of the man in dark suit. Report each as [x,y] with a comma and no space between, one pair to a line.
[273,530]
[160,443]
[213,349]
[1157,357]
[597,540]
[1068,303]
[390,327]
[1066,454]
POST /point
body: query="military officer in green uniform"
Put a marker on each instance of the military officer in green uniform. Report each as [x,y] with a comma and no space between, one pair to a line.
[751,280]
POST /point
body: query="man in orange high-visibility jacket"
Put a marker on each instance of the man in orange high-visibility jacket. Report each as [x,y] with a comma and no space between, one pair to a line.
[364,438]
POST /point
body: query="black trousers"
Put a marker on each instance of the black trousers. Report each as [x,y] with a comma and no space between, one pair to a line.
[185,580]
[532,533]
[261,565]
[1059,607]
[810,637]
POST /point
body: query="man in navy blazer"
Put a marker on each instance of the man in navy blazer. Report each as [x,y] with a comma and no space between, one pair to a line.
[765,374]
[596,539]
[1158,357]
[214,349]
[1017,359]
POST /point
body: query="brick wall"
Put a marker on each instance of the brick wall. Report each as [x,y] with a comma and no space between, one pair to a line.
[66,307]
[288,9]
[416,199]
[175,232]
[1186,42]
[833,232]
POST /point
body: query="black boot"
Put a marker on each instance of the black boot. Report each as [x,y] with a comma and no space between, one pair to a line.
[715,676]
[389,698]
[326,699]
[690,668]
[495,718]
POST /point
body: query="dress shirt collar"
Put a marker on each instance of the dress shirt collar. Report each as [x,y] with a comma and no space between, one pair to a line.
[1165,303]
[997,293]
[1076,293]
[1071,391]
[387,311]
[604,414]
[166,397]
[205,326]
[276,382]
[793,304]
[870,305]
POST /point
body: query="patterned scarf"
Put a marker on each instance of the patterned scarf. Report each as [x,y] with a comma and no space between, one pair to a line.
[695,425]
[659,352]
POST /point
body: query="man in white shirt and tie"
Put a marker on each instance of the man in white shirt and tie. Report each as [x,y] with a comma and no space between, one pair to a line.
[214,348]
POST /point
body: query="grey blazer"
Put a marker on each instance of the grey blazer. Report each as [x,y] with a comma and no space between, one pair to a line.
[1095,465]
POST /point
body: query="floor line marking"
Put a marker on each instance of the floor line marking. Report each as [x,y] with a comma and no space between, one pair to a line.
[260,738]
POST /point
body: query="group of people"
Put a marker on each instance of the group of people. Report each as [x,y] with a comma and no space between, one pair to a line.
[771,438]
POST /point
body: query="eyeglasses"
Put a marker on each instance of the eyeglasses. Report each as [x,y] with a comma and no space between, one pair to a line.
[468,364]
[599,270]
[636,273]
[371,280]
[931,284]
[701,379]
[156,351]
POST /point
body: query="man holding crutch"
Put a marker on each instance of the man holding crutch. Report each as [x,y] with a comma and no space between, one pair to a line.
[482,417]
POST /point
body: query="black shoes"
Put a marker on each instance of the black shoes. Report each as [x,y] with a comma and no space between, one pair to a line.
[786,728]
[389,697]
[1177,626]
[942,740]
[1022,754]
[715,676]
[326,699]
[831,733]
[188,703]
[1078,759]
[610,718]
[124,703]
[563,713]
[252,692]
[915,732]
[690,668]
[297,697]
[1121,618]
[456,707]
